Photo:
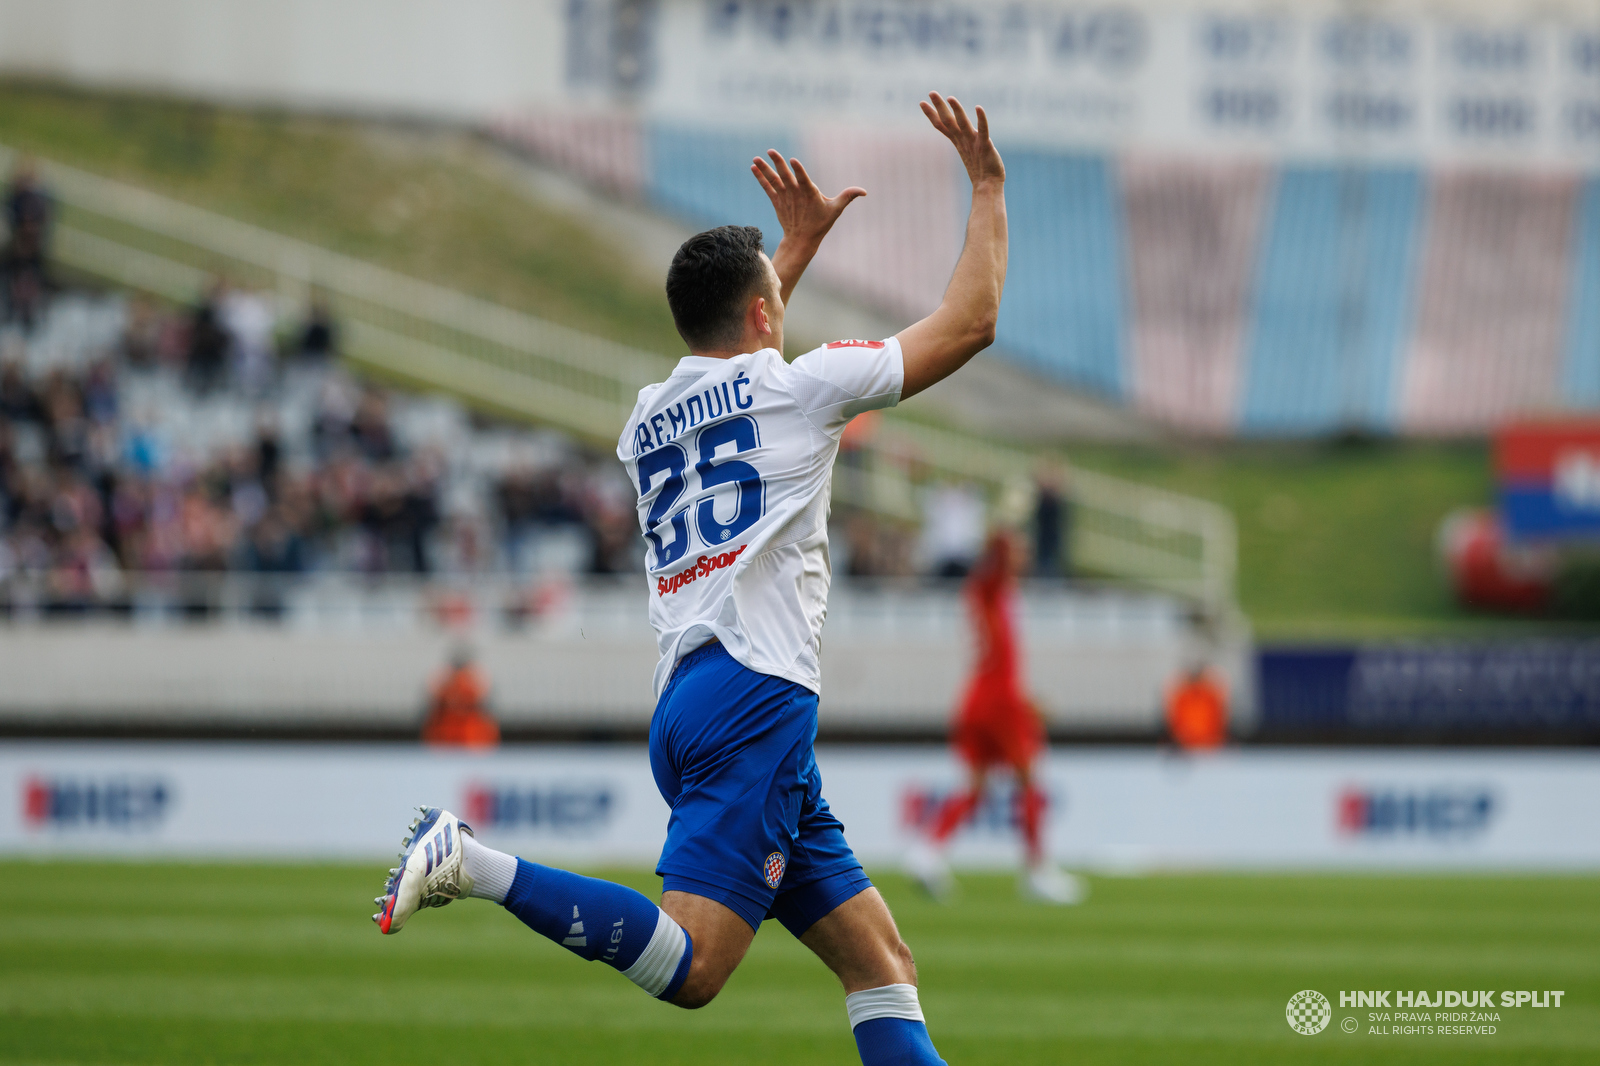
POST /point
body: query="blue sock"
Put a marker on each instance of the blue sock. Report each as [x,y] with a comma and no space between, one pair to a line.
[597,919]
[889,1029]
[895,1042]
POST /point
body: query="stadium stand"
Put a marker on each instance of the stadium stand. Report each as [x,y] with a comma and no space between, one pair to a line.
[1063,309]
[894,258]
[1289,299]
[1492,286]
[706,174]
[1191,232]
[1581,374]
[606,149]
[1330,301]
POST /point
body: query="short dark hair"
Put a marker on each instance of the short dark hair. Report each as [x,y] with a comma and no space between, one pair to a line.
[710,283]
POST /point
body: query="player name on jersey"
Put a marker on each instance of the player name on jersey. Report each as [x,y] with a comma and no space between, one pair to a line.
[687,414]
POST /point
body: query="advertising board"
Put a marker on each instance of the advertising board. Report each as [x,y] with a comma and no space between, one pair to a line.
[1118,810]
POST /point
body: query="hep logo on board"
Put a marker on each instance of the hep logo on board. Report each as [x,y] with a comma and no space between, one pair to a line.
[1437,812]
[567,809]
[998,812]
[1308,1012]
[117,803]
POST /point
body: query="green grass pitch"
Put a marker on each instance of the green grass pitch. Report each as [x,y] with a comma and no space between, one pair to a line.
[123,963]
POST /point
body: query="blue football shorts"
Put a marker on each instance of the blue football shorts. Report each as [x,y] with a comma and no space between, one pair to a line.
[732,754]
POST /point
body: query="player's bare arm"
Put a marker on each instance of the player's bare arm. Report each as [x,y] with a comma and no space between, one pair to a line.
[805,214]
[964,323]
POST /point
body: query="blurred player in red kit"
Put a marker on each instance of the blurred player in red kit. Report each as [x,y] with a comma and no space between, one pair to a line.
[996,726]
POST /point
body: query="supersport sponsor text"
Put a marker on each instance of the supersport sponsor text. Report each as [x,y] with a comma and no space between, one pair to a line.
[702,566]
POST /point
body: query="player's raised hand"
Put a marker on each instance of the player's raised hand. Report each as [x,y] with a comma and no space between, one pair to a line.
[803,212]
[977,151]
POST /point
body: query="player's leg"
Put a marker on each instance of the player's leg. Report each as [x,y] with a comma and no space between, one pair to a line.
[1042,879]
[959,808]
[1031,805]
[859,942]
[713,713]
[829,905]
[925,860]
[721,937]
[1020,739]
[594,919]
[975,741]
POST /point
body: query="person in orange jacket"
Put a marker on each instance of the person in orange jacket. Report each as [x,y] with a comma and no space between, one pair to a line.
[458,714]
[1197,710]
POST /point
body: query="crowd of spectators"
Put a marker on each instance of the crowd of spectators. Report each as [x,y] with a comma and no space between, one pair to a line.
[106,504]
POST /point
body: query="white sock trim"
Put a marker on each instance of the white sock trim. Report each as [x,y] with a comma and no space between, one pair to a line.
[653,969]
[491,871]
[890,1001]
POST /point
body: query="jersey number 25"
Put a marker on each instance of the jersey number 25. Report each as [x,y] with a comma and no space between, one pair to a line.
[673,461]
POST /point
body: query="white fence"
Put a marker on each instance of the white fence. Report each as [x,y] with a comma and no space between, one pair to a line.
[1116,810]
[345,653]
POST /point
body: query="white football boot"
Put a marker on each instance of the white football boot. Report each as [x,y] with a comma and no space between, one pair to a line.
[1048,883]
[429,874]
[927,866]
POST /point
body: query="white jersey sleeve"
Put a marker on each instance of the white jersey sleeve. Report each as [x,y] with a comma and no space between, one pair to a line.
[852,377]
[733,460]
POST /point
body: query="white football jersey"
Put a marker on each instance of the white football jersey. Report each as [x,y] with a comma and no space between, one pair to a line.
[734,462]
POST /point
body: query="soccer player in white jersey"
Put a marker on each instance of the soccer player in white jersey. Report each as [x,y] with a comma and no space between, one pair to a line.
[733,456]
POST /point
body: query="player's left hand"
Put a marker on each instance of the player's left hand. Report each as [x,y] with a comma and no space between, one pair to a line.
[803,212]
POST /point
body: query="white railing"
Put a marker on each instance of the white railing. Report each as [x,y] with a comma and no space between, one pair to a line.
[528,367]
[550,603]
[1120,528]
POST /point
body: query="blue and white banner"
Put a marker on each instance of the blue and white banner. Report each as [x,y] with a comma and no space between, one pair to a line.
[1125,810]
[1495,688]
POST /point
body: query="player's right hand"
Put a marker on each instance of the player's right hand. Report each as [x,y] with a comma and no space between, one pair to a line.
[803,211]
[977,151]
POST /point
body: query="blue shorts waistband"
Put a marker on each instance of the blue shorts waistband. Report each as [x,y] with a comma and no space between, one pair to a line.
[702,652]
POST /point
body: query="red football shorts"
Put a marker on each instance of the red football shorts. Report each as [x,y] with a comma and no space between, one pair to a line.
[997,727]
